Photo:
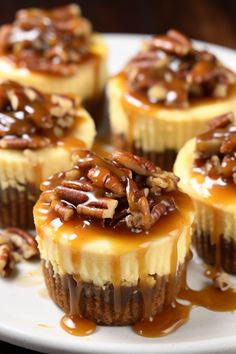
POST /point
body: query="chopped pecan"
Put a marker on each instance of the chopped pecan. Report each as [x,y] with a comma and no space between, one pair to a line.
[24,243]
[65,211]
[102,208]
[7,261]
[102,177]
[71,194]
[215,149]
[222,282]
[173,42]
[137,164]
[107,189]
[221,121]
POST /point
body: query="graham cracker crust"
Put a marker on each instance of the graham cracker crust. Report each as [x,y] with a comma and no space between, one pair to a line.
[108,305]
[222,255]
[16,206]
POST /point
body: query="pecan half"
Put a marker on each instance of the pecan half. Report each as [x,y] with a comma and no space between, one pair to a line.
[24,243]
[221,121]
[7,261]
[172,42]
[135,163]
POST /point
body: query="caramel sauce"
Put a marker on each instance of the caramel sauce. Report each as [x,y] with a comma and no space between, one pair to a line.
[210,298]
[212,190]
[77,326]
[166,322]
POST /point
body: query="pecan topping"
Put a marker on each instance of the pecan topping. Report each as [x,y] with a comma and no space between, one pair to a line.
[15,244]
[171,71]
[31,120]
[216,149]
[47,40]
[125,190]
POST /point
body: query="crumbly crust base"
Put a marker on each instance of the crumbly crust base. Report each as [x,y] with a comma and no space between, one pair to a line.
[16,206]
[108,305]
[222,254]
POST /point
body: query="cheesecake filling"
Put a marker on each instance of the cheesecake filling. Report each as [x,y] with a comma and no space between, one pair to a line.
[48,41]
[121,221]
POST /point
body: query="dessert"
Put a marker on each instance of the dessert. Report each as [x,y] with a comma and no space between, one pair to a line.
[38,132]
[206,166]
[114,237]
[166,94]
[54,51]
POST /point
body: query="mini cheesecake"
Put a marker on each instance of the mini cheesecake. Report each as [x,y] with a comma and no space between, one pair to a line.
[54,51]
[165,95]
[206,166]
[38,133]
[114,237]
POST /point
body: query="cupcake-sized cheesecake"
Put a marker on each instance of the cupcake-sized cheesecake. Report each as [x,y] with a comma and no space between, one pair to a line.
[114,238]
[54,51]
[38,133]
[206,166]
[165,95]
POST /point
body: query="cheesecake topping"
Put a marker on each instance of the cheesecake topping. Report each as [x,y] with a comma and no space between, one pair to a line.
[30,119]
[122,191]
[169,70]
[215,152]
[51,41]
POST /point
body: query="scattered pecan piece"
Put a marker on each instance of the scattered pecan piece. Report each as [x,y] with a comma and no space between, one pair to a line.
[222,282]
[15,244]
[24,243]
[7,261]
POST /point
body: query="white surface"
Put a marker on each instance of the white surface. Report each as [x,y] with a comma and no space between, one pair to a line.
[31,320]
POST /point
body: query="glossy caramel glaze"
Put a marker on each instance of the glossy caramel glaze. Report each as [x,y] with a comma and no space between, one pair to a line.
[77,326]
[166,322]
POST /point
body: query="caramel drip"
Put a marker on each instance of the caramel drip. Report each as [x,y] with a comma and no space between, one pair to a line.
[116,271]
[77,326]
[210,298]
[102,146]
[166,322]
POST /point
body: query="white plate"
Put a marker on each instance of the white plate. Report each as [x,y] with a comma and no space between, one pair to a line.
[31,320]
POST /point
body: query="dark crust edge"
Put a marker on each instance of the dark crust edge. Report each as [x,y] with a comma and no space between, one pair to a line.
[16,206]
[222,255]
[97,303]
[164,159]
